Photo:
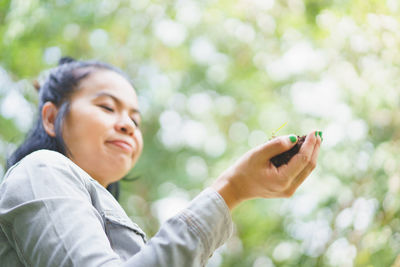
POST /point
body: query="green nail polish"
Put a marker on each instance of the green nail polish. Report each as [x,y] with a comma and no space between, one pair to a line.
[293,138]
[320,135]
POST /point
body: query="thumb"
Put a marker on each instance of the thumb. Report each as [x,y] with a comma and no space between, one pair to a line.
[275,147]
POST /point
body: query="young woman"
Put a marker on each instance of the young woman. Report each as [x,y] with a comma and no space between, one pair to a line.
[54,206]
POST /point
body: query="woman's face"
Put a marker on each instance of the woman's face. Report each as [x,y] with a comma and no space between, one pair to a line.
[101,129]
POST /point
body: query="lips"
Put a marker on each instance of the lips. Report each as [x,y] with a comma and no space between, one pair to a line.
[123,145]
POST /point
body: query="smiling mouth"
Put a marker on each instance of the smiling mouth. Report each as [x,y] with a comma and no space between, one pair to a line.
[122,146]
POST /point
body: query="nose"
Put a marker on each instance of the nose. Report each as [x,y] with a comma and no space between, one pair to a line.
[125,125]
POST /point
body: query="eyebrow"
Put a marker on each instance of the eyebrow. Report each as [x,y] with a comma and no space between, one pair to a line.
[116,99]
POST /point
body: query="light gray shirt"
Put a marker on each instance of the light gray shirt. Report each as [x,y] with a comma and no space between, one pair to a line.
[52,213]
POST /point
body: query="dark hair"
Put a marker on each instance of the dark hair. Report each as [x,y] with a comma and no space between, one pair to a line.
[61,82]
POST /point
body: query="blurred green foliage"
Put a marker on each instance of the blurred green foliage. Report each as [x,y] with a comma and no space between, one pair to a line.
[216,78]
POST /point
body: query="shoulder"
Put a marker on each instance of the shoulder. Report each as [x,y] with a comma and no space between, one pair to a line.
[43,174]
[43,162]
[40,158]
[43,157]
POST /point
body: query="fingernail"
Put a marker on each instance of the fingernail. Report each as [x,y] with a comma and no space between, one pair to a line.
[293,138]
[316,133]
[320,135]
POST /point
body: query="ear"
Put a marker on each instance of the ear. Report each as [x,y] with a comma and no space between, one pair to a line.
[49,115]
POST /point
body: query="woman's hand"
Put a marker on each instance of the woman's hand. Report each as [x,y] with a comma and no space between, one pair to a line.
[254,176]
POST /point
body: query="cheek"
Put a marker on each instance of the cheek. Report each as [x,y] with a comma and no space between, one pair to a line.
[139,139]
[82,130]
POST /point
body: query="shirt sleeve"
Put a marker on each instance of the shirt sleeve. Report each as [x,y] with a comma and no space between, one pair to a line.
[189,238]
[47,216]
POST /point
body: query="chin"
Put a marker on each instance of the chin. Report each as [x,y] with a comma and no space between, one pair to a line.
[117,166]
[112,176]
[114,166]
[119,160]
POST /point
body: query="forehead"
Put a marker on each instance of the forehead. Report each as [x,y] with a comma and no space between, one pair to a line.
[107,81]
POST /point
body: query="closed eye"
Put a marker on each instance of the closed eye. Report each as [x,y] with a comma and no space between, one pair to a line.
[107,108]
[135,122]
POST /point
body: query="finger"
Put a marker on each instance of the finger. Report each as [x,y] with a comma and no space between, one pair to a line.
[274,147]
[300,161]
[308,146]
[307,170]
